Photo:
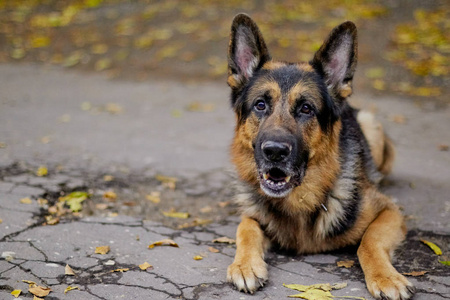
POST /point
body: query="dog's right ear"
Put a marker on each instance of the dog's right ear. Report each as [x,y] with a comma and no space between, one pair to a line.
[247,51]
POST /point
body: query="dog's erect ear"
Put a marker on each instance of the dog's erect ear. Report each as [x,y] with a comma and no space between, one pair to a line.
[247,51]
[336,60]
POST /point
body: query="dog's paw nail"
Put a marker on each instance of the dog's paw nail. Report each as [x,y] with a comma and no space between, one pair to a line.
[411,289]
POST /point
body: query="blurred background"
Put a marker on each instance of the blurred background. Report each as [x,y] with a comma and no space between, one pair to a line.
[404,44]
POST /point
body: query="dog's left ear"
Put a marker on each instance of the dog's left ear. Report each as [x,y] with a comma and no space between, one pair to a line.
[247,51]
[336,60]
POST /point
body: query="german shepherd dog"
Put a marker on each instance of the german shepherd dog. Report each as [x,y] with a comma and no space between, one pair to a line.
[308,162]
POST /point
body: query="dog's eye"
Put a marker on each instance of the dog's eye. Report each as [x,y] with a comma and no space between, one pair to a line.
[306,109]
[260,105]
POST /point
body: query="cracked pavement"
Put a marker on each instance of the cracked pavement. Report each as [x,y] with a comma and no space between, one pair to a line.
[147,139]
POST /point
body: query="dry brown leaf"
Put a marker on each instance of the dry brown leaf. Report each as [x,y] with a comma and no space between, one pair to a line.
[415,273]
[224,240]
[206,209]
[1,221]
[40,291]
[167,181]
[224,204]
[69,288]
[198,257]
[37,298]
[346,263]
[145,266]
[443,147]
[26,200]
[196,222]
[51,220]
[165,242]
[213,250]
[399,119]
[108,178]
[102,249]
[68,271]
[30,283]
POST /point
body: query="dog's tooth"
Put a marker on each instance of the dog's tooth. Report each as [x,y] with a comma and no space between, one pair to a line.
[266,176]
[288,179]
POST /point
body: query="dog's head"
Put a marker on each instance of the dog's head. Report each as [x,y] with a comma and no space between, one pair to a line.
[286,112]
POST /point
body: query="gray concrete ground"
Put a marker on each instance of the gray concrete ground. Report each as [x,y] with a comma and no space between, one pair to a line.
[43,121]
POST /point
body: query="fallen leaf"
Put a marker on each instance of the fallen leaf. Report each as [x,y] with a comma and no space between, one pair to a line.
[379,84]
[31,283]
[304,288]
[45,140]
[74,200]
[154,197]
[374,73]
[195,222]
[69,288]
[224,204]
[102,249]
[213,250]
[224,240]
[345,263]
[433,247]
[37,298]
[175,214]
[110,195]
[68,271]
[339,286]
[198,257]
[8,255]
[113,108]
[165,242]
[1,221]
[42,201]
[415,273]
[108,178]
[197,106]
[167,181]
[129,203]
[206,209]
[443,147]
[40,291]
[16,293]
[26,200]
[314,294]
[101,206]
[399,119]
[444,262]
[145,266]
[51,220]
[121,270]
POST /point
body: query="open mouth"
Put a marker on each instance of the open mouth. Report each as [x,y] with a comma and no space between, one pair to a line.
[275,182]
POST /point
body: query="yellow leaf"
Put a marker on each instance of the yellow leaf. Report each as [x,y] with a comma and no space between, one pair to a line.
[165,242]
[314,294]
[345,263]
[16,293]
[74,200]
[26,200]
[379,84]
[154,197]
[40,291]
[37,298]
[31,283]
[102,249]
[224,240]
[433,247]
[167,181]
[145,266]
[180,215]
[374,73]
[99,49]
[111,195]
[121,270]
[42,171]
[40,41]
[108,178]
[1,221]
[446,263]
[68,271]
[103,64]
[198,257]
[69,288]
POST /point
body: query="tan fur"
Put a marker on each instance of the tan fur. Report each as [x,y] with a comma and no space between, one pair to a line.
[381,147]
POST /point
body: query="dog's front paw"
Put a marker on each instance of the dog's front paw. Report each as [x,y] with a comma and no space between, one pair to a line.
[248,275]
[390,285]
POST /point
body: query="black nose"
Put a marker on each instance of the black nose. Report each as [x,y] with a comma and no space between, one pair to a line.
[276,151]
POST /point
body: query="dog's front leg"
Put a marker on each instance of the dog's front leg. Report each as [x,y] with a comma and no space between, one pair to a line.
[377,246]
[249,271]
